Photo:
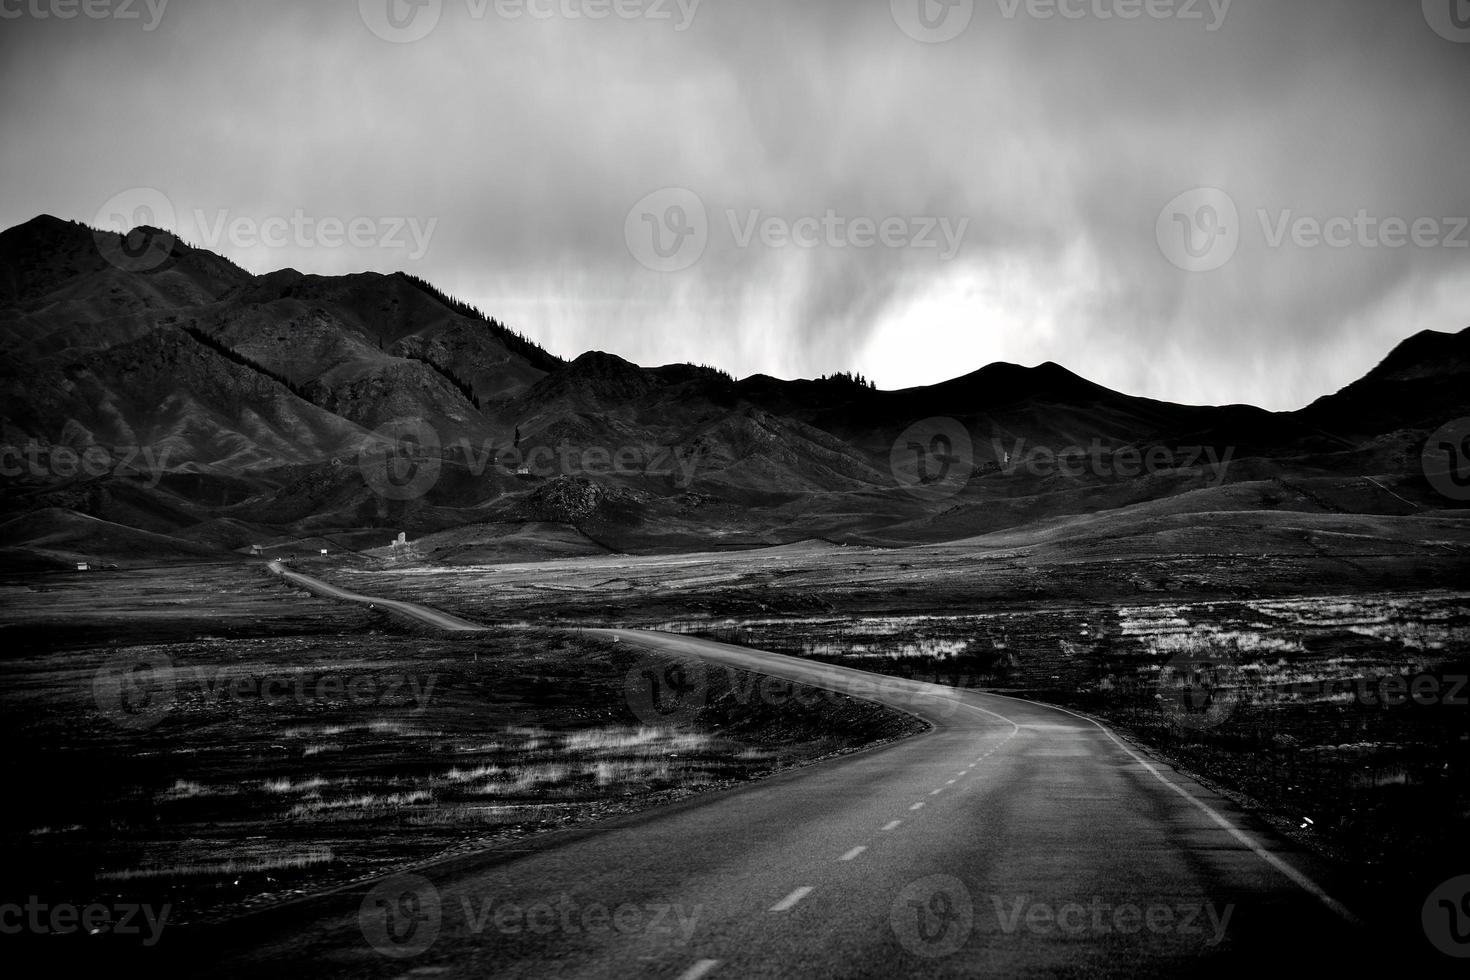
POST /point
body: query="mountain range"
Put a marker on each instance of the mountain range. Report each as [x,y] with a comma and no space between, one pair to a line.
[172,405]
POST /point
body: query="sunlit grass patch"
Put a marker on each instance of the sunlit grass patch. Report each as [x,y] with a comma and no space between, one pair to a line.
[527,781]
[457,775]
[633,771]
[361,805]
[309,858]
[184,789]
[286,785]
[610,740]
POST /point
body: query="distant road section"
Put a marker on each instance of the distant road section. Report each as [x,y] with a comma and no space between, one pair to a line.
[408,610]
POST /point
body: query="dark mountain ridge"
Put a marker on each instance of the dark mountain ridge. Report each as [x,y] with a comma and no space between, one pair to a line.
[261,401]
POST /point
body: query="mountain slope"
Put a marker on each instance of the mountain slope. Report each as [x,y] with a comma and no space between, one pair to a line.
[252,406]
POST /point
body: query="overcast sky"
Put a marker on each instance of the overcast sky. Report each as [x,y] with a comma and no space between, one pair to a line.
[1034,165]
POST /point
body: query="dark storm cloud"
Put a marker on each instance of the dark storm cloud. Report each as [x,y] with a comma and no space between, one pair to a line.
[518,144]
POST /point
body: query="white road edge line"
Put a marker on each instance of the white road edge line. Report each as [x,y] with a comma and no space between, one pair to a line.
[852,853]
[700,969]
[790,900]
[1301,880]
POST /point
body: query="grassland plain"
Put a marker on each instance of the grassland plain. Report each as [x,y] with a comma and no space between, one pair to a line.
[211,739]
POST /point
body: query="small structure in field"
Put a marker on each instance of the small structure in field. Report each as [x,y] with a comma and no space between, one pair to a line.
[83,566]
[256,551]
[403,550]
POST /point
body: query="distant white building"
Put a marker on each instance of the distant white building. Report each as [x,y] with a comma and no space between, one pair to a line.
[83,566]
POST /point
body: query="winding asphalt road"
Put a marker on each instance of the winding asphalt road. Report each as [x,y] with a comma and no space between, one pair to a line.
[1011,840]
[408,610]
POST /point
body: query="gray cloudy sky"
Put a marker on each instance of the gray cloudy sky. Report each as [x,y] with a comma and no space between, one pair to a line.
[501,155]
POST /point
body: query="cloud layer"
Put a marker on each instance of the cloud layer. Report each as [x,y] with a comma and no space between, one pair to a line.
[820,146]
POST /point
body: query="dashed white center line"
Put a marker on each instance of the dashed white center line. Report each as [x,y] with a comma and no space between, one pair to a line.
[917,806]
[790,900]
[951,782]
[890,825]
[700,969]
[852,853]
[935,792]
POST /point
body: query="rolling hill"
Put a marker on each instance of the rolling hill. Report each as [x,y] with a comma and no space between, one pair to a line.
[204,409]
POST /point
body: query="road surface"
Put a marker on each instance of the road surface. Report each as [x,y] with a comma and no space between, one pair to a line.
[408,610]
[1012,840]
